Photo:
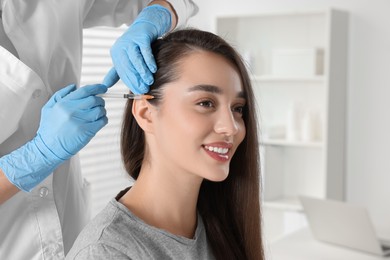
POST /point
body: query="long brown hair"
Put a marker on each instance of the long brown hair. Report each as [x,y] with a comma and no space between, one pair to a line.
[230,209]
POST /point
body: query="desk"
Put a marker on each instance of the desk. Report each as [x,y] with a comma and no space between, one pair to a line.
[302,246]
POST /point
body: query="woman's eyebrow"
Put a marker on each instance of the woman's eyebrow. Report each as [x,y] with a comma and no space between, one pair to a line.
[207,88]
[212,89]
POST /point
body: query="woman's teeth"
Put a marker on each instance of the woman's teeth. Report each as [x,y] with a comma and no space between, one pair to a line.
[219,150]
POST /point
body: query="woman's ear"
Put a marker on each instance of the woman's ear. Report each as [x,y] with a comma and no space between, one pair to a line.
[142,111]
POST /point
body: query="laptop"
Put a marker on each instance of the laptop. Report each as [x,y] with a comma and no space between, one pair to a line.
[343,224]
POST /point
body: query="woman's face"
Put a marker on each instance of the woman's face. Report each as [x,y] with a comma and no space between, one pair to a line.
[199,124]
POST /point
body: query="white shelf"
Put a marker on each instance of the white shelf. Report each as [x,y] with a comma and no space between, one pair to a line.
[286,94]
[298,62]
[273,78]
[283,142]
[287,203]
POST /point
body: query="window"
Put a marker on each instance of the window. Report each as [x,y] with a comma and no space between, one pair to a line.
[100,160]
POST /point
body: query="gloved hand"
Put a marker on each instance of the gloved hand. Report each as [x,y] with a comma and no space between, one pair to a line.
[132,54]
[69,120]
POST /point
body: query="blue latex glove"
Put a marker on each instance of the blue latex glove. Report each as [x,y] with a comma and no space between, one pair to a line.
[69,120]
[132,54]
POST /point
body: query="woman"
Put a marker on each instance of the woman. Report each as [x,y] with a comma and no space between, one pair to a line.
[193,151]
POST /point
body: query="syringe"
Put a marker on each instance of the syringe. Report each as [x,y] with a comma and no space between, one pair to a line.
[126,95]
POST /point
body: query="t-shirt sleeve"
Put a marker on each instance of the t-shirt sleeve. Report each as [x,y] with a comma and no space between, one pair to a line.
[98,252]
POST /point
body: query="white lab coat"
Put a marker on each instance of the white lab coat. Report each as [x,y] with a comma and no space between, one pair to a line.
[46,36]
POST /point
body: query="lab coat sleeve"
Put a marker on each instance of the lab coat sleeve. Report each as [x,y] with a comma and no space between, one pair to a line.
[15,93]
[10,114]
[111,12]
[185,9]
[117,12]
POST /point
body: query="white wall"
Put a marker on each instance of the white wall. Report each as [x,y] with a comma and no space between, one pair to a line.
[368,125]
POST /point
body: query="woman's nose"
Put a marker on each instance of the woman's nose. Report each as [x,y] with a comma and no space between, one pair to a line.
[226,123]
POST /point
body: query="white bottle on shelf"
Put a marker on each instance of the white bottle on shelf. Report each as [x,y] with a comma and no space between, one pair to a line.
[308,128]
[293,122]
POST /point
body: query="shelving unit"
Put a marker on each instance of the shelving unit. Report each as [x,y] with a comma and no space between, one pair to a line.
[273,78]
[298,63]
[287,143]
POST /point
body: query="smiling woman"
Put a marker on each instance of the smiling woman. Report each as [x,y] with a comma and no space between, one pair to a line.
[193,152]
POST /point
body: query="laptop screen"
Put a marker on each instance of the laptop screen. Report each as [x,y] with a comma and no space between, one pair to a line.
[341,224]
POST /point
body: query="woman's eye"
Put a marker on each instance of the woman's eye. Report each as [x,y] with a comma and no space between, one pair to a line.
[206,103]
[239,109]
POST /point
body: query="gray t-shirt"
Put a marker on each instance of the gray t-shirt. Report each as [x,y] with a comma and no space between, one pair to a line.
[116,233]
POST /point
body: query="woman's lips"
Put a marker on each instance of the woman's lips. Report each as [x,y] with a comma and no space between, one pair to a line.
[218,151]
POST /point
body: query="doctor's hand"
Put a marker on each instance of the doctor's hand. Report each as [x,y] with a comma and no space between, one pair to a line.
[132,54]
[69,120]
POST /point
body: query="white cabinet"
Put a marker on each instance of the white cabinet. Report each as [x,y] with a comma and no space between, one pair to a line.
[298,65]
